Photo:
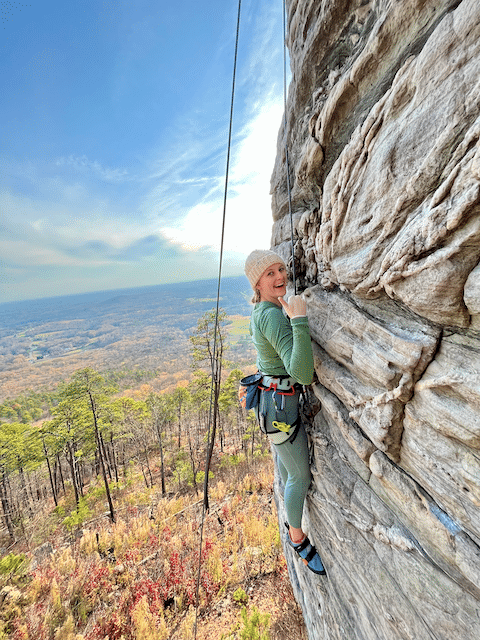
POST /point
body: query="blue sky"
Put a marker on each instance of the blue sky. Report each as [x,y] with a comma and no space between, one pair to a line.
[113,140]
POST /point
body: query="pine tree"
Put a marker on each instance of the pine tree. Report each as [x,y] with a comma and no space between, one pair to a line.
[71,429]
[208,345]
[131,417]
[89,390]
[162,413]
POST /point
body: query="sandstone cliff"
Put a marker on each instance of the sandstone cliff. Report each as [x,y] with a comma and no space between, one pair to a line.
[383,128]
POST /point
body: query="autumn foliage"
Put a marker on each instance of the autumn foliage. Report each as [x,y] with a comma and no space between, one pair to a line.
[137,577]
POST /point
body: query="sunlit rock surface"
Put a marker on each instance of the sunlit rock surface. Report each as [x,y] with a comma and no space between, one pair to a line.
[383,129]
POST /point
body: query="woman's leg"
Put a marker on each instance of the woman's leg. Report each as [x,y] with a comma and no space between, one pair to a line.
[294,467]
[294,458]
[283,471]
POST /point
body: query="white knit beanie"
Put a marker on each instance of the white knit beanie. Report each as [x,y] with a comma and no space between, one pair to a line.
[258,261]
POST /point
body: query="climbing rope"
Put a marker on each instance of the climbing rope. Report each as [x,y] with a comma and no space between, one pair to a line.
[216,365]
[287,163]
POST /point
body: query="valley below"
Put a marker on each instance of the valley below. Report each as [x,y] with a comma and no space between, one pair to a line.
[143,333]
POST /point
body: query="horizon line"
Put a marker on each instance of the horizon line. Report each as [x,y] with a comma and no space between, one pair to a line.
[118,290]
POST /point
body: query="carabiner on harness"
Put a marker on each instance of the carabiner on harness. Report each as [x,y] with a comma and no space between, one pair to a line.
[281,426]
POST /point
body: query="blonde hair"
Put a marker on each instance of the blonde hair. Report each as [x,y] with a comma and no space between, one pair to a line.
[256,297]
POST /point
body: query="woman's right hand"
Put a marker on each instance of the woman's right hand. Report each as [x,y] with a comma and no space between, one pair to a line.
[296,306]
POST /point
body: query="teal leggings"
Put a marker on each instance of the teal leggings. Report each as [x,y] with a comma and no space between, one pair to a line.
[292,457]
[293,464]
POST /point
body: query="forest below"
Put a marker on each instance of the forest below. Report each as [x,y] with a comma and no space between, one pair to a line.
[103,470]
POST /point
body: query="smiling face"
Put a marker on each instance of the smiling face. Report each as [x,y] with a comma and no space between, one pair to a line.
[273,283]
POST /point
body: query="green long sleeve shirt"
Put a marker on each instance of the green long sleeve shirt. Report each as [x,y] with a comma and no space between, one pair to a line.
[283,345]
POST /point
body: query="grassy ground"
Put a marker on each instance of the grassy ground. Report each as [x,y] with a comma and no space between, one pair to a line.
[137,578]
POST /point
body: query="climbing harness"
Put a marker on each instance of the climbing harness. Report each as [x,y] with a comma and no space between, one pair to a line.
[280,387]
[251,395]
[285,384]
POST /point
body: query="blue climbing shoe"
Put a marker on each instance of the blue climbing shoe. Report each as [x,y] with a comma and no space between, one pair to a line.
[308,554]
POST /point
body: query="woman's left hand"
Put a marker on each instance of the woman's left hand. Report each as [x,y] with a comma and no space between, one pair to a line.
[296,306]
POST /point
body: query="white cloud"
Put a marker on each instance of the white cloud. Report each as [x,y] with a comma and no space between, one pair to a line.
[248,212]
[47,230]
[82,163]
[259,101]
[56,226]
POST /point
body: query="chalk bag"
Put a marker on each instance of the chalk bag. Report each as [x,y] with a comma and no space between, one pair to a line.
[249,391]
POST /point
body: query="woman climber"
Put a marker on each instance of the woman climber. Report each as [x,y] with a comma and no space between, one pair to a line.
[285,360]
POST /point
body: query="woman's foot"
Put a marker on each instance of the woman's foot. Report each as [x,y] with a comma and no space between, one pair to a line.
[307,552]
[296,535]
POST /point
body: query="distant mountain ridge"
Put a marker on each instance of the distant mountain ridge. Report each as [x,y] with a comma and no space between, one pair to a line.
[202,294]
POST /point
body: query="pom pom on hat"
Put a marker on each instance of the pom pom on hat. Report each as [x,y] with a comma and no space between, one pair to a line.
[258,261]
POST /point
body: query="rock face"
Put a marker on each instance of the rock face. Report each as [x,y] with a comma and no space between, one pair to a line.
[383,130]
